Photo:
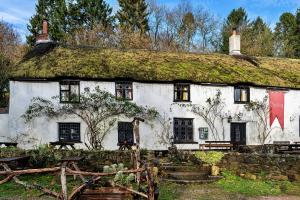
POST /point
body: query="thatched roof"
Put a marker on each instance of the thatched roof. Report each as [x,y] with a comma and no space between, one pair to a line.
[142,65]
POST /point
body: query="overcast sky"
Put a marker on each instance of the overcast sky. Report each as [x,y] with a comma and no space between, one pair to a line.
[18,12]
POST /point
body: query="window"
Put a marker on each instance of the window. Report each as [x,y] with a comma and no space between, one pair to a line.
[203,133]
[183,130]
[4,100]
[181,92]
[125,133]
[69,92]
[124,90]
[241,94]
[69,132]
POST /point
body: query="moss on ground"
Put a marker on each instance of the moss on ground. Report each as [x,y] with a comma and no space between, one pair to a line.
[142,65]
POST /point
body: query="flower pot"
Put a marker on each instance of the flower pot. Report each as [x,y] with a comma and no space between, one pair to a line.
[215,170]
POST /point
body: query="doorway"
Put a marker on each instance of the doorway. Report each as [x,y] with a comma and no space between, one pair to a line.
[238,133]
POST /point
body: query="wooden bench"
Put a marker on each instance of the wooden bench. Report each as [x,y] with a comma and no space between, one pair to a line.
[63,145]
[19,162]
[217,145]
[9,144]
[281,146]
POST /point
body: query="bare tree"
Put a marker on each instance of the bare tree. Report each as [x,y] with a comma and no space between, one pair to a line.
[207,29]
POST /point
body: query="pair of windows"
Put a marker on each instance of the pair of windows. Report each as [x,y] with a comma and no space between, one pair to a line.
[70,132]
[70,91]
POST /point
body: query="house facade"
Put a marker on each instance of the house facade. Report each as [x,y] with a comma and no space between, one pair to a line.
[171,100]
[172,83]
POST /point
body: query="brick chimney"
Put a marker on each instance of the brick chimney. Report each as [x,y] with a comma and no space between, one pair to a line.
[235,43]
[44,37]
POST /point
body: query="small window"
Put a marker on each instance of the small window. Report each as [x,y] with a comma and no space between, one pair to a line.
[125,133]
[4,100]
[124,90]
[241,94]
[69,132]
[69,92]
[181,92]
[183,130]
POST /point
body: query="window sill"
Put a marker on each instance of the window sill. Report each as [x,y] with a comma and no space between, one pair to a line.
[185,143]
[179,101]
[241,102]
[3,110]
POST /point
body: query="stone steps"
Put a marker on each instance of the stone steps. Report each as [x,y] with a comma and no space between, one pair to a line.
[187,174]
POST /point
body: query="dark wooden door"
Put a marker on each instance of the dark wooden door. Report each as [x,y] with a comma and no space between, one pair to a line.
[238,133]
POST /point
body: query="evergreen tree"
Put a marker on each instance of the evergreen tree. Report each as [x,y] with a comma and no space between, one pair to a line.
[257,39]
[88,13]
[237,18]
[297,34]
[285,35]
[35,22]
[133,16]
[55,11]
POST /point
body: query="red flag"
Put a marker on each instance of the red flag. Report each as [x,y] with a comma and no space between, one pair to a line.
[276,102]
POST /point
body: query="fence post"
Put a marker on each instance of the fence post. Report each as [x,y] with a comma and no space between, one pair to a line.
[63,180]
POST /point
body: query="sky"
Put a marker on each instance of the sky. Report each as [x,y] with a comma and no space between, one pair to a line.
[18,12]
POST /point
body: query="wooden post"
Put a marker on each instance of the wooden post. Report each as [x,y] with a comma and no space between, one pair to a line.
[77,169]
[63,180]
[136,131]
[150,183]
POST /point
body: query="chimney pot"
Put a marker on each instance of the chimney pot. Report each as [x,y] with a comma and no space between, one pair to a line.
[235,43]
[45,27]
[44,37]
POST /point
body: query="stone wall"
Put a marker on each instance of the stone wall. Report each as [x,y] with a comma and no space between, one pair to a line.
[269,166]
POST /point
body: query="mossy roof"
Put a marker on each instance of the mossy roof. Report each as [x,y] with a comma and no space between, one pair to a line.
[142,65]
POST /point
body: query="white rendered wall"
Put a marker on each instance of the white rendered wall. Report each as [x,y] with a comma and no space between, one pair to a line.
[155,95]
[4,131]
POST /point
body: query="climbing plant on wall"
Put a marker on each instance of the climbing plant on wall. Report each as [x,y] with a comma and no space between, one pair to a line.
[98,109]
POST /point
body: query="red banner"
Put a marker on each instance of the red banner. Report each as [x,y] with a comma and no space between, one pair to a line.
[276,102]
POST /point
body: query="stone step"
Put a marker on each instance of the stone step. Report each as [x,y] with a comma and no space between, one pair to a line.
[187,175]
[181,168]
[210,179]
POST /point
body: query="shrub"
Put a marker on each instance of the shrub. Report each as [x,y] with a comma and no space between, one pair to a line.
[211,157]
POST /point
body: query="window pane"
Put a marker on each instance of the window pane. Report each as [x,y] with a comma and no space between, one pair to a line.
[64,87]
[64,96]
[185,96]
[128,94]
[237,94]
[74,93]
[244,95]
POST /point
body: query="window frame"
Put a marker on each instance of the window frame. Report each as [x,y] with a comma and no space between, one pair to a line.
[247,88]
[69,83]
[69,123]
[124,90]
[176,90]
[186,133]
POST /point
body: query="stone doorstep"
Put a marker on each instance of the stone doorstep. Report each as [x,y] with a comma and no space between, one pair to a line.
[187,175]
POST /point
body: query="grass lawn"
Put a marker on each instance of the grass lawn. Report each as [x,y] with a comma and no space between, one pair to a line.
[231,187]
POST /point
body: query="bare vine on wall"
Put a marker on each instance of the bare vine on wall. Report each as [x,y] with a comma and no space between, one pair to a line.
[165,134]
[98,109]
[261,110]
[212,113]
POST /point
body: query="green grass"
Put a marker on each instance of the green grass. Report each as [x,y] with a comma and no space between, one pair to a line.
[13,190]
[230,188]
[236,184]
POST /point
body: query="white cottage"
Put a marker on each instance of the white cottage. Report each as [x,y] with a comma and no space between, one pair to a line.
[167,81]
